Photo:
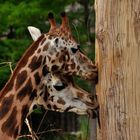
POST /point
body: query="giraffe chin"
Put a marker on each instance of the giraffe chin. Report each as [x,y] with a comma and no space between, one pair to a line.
[79,111]
[92,106]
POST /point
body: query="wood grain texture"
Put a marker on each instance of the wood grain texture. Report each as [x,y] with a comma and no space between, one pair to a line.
[118,59]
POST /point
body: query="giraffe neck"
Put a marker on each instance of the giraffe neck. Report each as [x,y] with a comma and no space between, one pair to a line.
[21,89]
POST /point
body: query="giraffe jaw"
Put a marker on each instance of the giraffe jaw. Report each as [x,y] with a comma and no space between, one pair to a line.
[79,111]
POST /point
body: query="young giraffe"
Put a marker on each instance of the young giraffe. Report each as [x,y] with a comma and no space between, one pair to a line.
[63,94]
[55,51]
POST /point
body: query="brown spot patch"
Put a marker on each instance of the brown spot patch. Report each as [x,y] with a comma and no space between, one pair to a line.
[62,58]
[33,94]
[78,67]
[21,77]
[45,98]
[45,48]
[61,101]
[6,106]
[26,90]
[53,61]
[54,68]
[55,107]
[67,55]
[57,54]
[9,126]
[66,67]
[45,70]
[35,63]
[73,66]
[49,106]
[41,93]
[51,98]
[37,78]
[49,57]
[39,50]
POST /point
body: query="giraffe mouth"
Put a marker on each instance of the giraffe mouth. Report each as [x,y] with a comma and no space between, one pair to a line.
[92,76]
[92,105]
[68,108]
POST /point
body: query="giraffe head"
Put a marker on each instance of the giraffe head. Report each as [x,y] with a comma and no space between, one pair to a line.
[63,52]
[61,94]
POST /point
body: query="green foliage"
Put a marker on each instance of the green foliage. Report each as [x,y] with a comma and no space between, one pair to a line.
[11,51]
[84,128]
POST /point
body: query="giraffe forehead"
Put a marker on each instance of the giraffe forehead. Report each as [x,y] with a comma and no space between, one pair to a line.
[61,32]
[65,37]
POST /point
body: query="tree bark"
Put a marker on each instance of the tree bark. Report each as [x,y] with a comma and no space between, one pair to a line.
[118,59]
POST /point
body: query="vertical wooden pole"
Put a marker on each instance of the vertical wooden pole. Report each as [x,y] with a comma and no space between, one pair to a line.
[118,59]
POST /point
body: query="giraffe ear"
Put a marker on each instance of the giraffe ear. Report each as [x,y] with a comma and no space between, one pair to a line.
[34,32]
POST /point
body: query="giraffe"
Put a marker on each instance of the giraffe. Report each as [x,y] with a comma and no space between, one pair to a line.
[62,88]
[55,51]
[62,95]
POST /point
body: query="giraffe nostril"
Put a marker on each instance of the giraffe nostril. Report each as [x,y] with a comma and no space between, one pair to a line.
[93,98]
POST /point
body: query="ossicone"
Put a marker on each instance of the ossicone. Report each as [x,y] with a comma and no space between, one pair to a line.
[51,20]
[63,14]
[65,22]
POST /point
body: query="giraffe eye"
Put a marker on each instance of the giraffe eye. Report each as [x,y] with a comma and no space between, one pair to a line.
[74,50]
[60,87]
[56,41]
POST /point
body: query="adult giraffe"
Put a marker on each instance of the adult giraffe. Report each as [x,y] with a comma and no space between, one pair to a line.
[55,51]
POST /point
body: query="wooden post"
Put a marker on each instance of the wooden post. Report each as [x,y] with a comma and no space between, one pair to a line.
[118,58]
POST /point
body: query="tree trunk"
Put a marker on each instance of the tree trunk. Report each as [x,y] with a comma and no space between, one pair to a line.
[93,121]
[118,59]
